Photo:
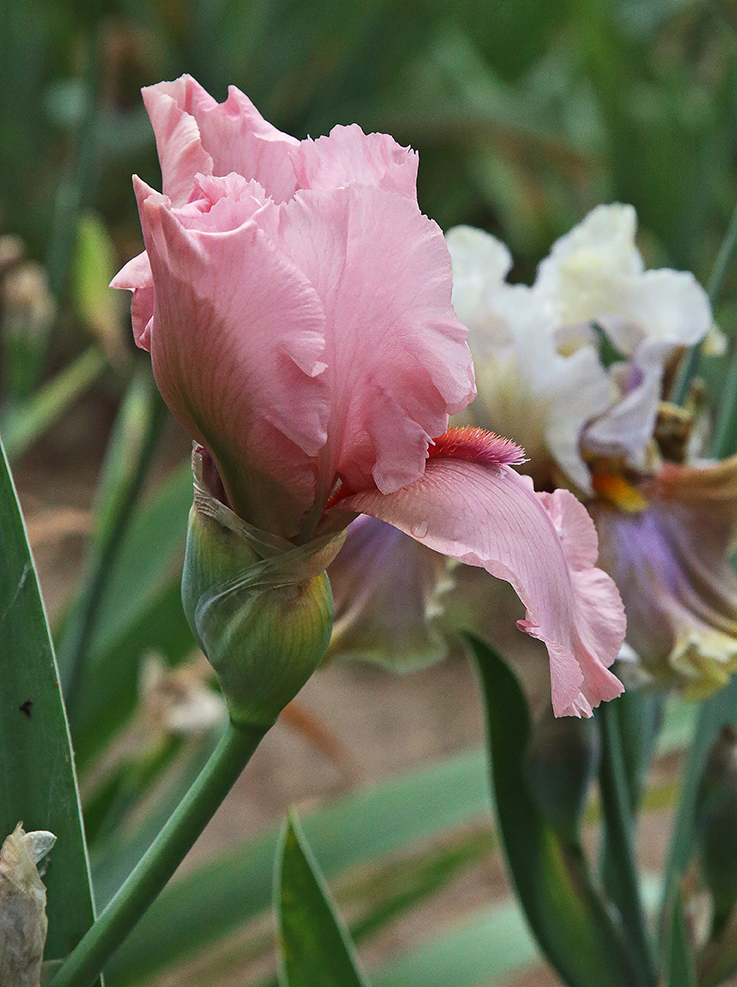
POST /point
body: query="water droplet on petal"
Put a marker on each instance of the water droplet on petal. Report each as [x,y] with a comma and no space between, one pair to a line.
[419,530]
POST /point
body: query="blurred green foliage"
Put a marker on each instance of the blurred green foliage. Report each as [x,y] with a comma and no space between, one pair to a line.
[526,113]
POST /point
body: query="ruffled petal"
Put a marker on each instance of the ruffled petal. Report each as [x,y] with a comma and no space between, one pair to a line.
[596,274]
[350,157]
[178,140]
[196,134]
[626,428]
[543,545]
[397,360]
[581,278]
[240,140]
[237,342]
[480,266]
[527,388]
[664,306]
[671,562]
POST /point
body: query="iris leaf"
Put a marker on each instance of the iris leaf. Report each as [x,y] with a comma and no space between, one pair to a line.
[314,947]
[37,783]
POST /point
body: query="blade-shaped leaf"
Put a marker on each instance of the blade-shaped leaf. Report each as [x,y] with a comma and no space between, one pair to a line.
[680,963]
[714,713]
[37,782]
[27,421]
[568,918]
[314,947]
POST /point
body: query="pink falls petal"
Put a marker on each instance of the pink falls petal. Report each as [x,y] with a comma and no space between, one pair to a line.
[544,546]
[672,565]
[236,345]
[396,354]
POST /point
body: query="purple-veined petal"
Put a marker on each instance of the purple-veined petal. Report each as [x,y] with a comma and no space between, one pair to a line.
[671,562]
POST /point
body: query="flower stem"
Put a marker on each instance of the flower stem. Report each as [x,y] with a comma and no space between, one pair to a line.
[622,872]
[85,963]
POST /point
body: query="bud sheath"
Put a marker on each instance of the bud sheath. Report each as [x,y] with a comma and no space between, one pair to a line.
[260,606]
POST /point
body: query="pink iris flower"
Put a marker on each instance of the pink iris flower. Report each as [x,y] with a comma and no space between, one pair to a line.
[297,307]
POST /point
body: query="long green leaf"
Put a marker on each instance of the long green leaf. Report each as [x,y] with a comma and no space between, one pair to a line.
[314,947]
[37,782]
[680,968]
[26,422]
[127,460]
[567,916]
[380,893]
[618,798]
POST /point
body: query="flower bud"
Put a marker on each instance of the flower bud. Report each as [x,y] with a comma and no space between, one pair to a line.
[23,922]
[260,606]
[716,823]
[562,760]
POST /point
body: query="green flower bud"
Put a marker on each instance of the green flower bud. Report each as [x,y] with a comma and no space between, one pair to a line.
[716,823]
[562,760]
[260,606]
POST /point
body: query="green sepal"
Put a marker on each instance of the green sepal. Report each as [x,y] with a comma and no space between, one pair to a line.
[261,607]
[551,877]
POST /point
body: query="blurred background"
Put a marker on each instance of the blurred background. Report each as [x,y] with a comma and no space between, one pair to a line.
[526,114]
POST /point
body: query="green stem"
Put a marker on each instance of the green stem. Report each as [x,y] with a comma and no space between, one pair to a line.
[622,873]
[85,963]
[714,290]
